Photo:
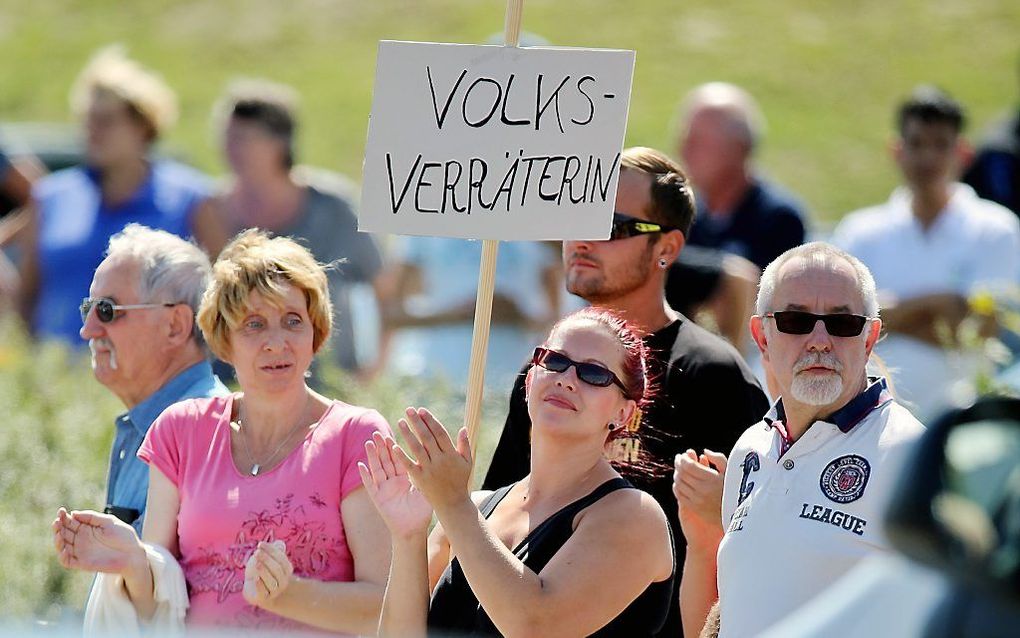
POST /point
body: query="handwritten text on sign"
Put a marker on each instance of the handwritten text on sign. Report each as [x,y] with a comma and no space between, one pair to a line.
[492,142]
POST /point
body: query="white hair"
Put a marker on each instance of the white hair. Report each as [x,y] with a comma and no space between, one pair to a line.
[171,269]
[742,113]
[821,255]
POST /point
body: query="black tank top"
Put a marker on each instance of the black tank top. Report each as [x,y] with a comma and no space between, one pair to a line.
[455,610]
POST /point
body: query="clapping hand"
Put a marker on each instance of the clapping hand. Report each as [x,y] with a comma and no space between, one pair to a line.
[440,469]
[95,542]
[698,487]
[267,573]
[403,508]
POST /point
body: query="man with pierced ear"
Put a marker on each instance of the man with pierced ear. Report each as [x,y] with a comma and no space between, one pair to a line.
[706,393]
[139,321]
[805,490]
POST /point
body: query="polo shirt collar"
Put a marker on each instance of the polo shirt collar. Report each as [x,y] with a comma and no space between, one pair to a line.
[848,416]
[143,414]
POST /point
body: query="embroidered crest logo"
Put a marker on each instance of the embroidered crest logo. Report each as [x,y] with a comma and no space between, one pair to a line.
[844,479]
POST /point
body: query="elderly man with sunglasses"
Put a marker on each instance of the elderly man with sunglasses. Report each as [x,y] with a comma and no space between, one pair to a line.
[139,321]
[706,394]
[805,490]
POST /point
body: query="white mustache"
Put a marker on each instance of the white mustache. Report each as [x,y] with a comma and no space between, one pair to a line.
[94,344]
[812,359]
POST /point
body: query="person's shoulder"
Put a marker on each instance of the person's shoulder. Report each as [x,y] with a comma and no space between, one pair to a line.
[66,179]
[190,418]
[864,224]
[866,218]
[994,217]
[327,185]
[197,407]
[633,509]
[696,347]
[345,420]
[174,174]
[898,426]
[756,438]
[776,201]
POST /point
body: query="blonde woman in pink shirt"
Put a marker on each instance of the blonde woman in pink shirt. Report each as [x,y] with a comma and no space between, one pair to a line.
[257,494]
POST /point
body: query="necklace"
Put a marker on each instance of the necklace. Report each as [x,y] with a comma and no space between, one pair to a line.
[256,467]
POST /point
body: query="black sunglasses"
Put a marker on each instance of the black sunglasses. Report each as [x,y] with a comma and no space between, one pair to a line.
[795,322]
[625,226]
[590,373]
[106,309]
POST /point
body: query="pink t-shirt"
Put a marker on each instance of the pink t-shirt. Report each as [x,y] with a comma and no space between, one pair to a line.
[224,513]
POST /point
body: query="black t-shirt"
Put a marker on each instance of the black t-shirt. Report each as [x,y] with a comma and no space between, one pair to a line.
[707,397]
[693,278]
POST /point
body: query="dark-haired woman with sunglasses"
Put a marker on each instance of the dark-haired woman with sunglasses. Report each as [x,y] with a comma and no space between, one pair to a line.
[572,549]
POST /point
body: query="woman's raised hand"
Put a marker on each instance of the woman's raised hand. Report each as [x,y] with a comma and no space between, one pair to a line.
[403,508]
[440,469]
[95,542]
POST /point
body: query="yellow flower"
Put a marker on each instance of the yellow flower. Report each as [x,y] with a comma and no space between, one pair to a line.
[982,303]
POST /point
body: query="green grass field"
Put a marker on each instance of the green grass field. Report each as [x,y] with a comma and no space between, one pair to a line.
[828,75]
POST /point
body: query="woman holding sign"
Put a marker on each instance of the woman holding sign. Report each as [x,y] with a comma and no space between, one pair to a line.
[572,549]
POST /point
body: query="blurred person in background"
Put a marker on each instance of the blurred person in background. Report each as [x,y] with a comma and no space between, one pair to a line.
[124,109]
[995,172]
[932,247]
[16,179]
[258,123]
[429,304]
[139,321]
[715,289]
[721,127]
[256,494]
[740,212]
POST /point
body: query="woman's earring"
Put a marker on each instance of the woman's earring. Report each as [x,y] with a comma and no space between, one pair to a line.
[662,263]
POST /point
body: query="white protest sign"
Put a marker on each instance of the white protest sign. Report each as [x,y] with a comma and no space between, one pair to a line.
[494,142]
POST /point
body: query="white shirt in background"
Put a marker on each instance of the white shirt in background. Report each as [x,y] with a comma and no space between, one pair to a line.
[973,245]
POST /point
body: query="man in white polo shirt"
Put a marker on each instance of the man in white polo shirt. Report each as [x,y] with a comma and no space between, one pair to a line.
[931,248]
[805,490]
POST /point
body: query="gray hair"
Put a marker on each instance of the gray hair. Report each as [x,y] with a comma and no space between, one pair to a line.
[742,114]
[171,269]
[821,255]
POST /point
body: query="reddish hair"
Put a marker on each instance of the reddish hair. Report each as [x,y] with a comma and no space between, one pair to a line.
[635,353]
[636,377]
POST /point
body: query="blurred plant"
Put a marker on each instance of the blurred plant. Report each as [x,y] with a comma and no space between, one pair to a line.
[991,333]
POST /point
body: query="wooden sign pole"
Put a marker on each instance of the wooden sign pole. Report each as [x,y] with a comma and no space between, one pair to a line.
[486,278]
